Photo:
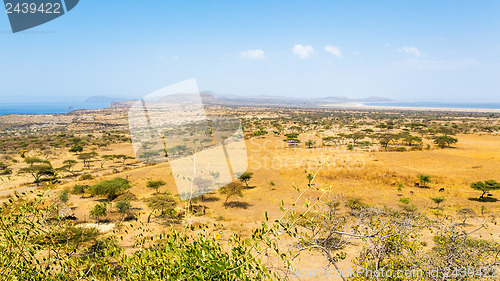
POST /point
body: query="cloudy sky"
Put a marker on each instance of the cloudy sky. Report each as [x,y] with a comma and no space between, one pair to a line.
[405,50]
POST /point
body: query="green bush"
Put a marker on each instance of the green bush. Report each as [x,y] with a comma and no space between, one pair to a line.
[70,234]
[64,196]
[111,188]
[79,189]
[405,200]
[86,177]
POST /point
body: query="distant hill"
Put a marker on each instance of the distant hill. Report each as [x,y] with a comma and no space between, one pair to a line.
[211,98]
[102,99]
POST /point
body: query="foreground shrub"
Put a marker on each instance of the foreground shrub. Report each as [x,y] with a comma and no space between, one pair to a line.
[32,248]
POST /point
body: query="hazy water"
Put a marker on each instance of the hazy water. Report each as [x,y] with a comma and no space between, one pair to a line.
[439,105]
[47,108]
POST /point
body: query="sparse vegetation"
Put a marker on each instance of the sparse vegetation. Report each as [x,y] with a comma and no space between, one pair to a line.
[485,187]
[231,190]
[155,184]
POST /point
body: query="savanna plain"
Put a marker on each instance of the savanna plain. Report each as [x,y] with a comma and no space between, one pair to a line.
[329,194]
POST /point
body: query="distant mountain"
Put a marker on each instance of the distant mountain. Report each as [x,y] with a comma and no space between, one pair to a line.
[213,98]
[102,99]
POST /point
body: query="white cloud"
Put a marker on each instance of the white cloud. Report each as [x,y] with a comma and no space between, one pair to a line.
[333,50]
[303,52]
[411,51]
[253,54]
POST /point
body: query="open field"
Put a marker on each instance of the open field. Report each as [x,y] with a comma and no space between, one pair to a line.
[374,157]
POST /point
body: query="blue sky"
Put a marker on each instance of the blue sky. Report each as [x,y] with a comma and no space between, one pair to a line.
[404,50]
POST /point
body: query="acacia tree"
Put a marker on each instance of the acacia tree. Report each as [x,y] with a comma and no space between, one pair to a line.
[110,188]
[485,187]
[123,208]
[148,155]
[76,149]
[355,137]
[106,158]
[164,203]
[68,166]
[443,141]
[231,190]
[98,211]
[310,143]
[385,139]
[38,169]
[155,184]
[245,177]
[410,139]
[87,158]
[424,179]
[438,200]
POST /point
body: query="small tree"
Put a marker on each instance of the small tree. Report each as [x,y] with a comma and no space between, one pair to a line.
[64,196]
[231,190]
[443,141]
[485,187]
[98,211]
[245,177]
[438,200]
[68,166]
[76,149]
[110,188]
[34,160]
[147,156]
[79,189]
[123,207]
[106,158]
[155,184]
[164,203]
[424,179]
[87,158]
[38,171]
[310,143]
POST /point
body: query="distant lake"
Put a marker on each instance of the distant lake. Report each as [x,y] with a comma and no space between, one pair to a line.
[47,108]
[438,105]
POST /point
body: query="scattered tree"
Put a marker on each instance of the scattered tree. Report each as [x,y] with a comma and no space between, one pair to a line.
[64,196]
[231,190]
[164,203]
[485,187]
[110,188]
[38,171]
[438,200]
[245,177]
[155,184]
[424,179]
[98,211]
[123,207]
[76,149]
[443,141]
[79,189]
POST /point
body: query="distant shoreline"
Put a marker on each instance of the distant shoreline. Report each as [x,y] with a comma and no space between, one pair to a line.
[65,108]
[358,106]
[48,108]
